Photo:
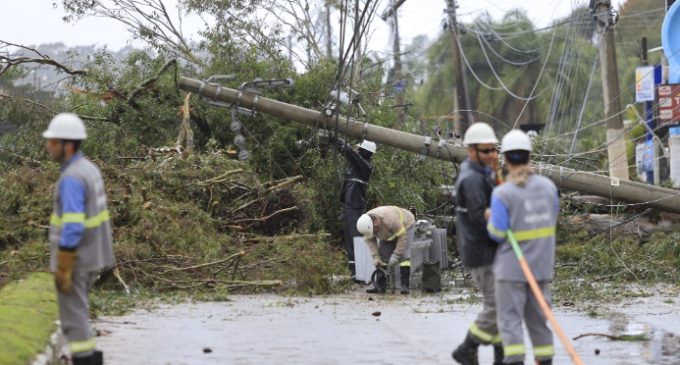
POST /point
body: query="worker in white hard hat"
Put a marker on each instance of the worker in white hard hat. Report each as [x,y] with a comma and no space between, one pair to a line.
[394,227]
[80,234]
[354,191]
[474,184]
[528,205]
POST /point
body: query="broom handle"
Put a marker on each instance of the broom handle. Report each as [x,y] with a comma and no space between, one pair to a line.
[541,300]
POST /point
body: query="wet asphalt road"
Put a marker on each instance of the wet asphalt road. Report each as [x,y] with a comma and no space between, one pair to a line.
[342,329]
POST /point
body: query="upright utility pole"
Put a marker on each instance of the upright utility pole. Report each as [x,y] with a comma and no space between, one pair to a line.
[398,83]
[461,100]
[616,144]
[329,31]
[357,45]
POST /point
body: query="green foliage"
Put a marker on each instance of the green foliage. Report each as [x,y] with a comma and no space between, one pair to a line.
[597,268]
[28,310]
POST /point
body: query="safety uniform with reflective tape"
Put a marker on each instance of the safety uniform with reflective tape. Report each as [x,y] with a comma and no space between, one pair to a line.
[531,213]
[395,230]
[80,220]
[474,185]
[353,195]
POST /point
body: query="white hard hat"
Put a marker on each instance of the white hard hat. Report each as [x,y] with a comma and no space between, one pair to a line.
[365,225]
[368,146]
[516,140]
[479,133]
[66,126]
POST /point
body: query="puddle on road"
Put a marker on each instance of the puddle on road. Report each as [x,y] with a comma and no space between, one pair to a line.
[341,329]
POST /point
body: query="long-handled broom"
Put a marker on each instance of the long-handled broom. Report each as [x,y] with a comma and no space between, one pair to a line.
[541,300]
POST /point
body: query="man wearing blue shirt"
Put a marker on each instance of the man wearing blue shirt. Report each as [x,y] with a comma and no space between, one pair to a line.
[80,234]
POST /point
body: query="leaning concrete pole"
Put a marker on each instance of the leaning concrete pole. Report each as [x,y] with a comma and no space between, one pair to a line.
[585,182]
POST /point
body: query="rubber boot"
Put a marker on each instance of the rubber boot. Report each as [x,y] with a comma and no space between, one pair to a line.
[84,360]
[375,291]
[498,355]
[405,278]
[98,358]
[466,353]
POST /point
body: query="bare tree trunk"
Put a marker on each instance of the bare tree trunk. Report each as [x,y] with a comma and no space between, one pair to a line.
[185,138]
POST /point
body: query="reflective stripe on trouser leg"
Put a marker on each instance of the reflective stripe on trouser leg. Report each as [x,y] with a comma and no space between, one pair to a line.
[512,351]
[74,315]
[536,323]
[484,328]
[510,315]
[82,348]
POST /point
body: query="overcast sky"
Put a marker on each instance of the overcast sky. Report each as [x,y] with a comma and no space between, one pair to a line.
[37,21]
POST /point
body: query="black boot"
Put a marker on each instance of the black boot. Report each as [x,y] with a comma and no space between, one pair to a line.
[405,277]
[466,353]
[545,362]
[498,355]
[98,358]
[375,291]
[84,360]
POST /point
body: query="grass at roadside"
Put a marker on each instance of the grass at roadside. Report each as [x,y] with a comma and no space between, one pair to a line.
[28,309]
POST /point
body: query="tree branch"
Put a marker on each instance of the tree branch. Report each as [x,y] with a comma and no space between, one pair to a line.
[146,83]
[43,60]
[264,219]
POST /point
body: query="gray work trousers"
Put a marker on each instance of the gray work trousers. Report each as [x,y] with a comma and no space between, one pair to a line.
[484,329]
[519,305]
[74,314]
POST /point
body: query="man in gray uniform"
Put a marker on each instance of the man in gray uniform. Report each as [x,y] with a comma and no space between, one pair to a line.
[528,205]
[394,227]
[80,234]
[477,250]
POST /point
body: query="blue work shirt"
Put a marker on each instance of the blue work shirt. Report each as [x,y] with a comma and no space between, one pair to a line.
[72,200]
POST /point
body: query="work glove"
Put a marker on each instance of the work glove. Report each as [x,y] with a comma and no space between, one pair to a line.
[394,259]
[377,262]
[66,261]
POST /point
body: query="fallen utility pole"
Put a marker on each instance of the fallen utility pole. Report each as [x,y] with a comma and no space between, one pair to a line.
[611,188]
